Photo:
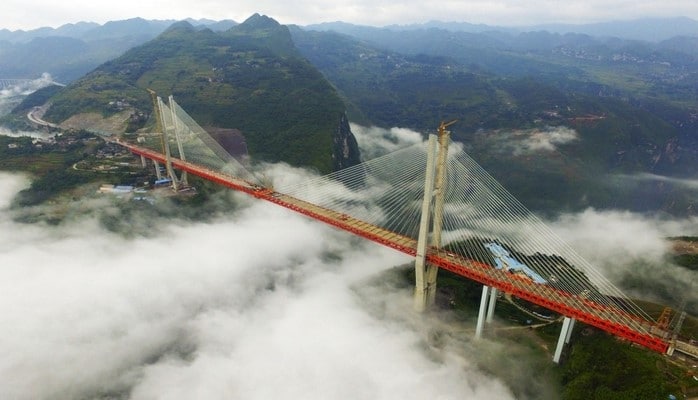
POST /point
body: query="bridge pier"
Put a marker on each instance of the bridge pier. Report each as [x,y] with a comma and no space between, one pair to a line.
[434,187]
[481,314]
[490,308]
[485,314]
[565,335]
[158,174]
[180,147]
[166,144]
[569,331]
[422,289]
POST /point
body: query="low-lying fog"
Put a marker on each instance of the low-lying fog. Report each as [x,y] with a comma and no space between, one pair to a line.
[258,303]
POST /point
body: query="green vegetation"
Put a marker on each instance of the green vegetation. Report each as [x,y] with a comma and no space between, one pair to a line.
[689,261]
[501,94]
[39,97]
[256,77]
[51,164]
[601,367]
[595,366]
[693,239]
[250,78]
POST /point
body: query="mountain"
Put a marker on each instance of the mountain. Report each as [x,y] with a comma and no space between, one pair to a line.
[508,100]
[63,55]
[645,29]
[250,77]
[629,104]
[90,31]
[72,50]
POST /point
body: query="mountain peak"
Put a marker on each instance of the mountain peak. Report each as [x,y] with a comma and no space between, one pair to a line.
[179,27]
[266,32]
[257,21]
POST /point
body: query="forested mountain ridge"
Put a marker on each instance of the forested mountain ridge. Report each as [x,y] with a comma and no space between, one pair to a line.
[250,77]
[501,111]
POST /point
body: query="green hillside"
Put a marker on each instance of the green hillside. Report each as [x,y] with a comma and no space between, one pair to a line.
[250,78]
[499,113]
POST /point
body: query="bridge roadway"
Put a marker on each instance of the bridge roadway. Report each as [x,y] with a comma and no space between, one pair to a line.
[613,320]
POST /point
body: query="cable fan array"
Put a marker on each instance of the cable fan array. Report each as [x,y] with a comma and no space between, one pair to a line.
[190,142]
[482,221]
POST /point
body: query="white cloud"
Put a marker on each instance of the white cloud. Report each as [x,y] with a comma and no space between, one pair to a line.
[529,141]
[250,306]
[631,250]
[10,184]
[375,142]
[27,87]
[687,183]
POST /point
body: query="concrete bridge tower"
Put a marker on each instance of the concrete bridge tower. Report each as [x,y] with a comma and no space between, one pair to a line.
[434,196]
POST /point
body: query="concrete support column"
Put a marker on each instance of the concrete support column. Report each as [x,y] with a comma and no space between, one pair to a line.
[481,313]
[444,139]
[180,147]
[490,308]
[421,286]
[158,174]
[569,331]
[566,323]
[434,186]
[166,145]
[143,162]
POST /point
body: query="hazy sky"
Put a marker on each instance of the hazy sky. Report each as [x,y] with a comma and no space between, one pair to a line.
[22,14]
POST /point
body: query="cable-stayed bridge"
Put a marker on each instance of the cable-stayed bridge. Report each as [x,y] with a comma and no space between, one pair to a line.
[8,83]
[431,201]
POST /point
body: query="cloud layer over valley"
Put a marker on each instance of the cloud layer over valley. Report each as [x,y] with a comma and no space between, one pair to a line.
[261,303]
[632,251]
[256,305]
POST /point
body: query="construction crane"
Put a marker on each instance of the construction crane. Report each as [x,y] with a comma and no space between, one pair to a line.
[444,125]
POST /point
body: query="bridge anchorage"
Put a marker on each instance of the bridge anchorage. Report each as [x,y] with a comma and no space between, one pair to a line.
[435,204]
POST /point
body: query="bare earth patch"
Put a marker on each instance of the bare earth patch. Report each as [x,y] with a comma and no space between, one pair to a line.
[95,121]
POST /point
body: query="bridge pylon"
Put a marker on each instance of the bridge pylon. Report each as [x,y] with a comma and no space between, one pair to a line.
[434,197]
[162,125]
[178,138]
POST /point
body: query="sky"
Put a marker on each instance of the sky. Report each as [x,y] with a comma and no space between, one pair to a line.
[22,14]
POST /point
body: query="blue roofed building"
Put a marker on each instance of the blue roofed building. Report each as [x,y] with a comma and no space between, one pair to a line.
[505,261]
